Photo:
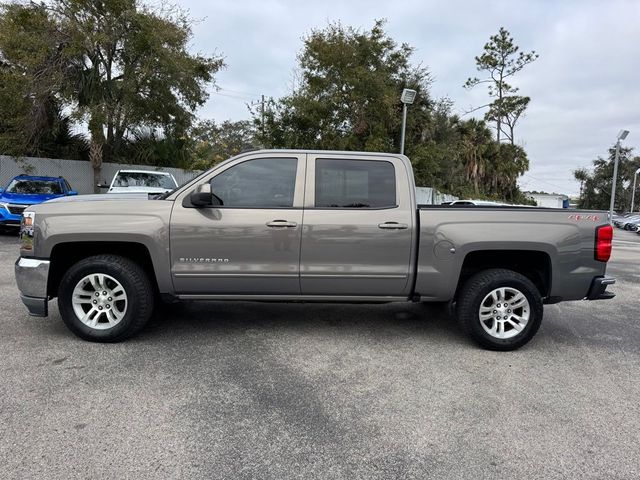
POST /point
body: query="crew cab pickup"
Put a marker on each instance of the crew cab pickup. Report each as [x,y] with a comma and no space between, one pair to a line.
[312,226]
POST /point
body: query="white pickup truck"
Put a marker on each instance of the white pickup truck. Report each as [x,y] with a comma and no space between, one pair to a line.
[141,181]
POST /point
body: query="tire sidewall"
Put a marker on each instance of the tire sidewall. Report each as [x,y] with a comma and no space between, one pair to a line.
[535,316]
[65,293]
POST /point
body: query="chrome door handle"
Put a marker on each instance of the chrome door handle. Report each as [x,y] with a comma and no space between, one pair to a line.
[393,226]
[281,224]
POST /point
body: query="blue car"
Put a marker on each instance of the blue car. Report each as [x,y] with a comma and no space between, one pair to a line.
[25,190]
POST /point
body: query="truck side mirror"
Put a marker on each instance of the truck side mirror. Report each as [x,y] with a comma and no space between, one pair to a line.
[204,197]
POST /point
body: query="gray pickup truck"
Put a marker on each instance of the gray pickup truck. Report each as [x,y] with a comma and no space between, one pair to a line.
[312,226]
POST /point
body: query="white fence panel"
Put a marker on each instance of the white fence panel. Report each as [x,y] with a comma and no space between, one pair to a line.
[430,196]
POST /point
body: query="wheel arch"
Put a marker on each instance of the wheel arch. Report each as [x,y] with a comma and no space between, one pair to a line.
[64,255]
[533,264]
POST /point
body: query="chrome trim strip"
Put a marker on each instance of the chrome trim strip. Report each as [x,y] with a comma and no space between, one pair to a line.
[299,298]
[350,275]
[31,262]
[238,275]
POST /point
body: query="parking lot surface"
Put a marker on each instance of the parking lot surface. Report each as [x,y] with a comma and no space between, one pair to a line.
[259,390]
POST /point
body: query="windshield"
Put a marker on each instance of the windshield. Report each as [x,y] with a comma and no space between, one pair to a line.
[29,186]
[140,179]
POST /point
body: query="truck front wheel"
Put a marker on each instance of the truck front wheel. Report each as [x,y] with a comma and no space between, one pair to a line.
[105,298]
[500,309]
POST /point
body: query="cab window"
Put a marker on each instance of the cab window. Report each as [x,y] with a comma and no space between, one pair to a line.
[259,183]
[355,184]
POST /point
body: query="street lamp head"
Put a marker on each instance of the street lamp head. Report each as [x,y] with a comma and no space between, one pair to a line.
[623,134]
[408,96]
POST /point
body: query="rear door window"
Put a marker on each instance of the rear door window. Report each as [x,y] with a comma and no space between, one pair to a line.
[355,184]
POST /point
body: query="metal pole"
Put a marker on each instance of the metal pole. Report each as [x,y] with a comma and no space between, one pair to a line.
[633,192]
[404,125]
[615,179]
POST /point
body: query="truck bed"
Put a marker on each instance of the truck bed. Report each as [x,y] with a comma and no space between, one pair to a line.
[454,239]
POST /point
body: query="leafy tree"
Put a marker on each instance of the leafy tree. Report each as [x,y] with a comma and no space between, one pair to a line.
[116,65]
[35,129]
[511,162]
[348,98]
[164,149]
[582,175]
[596,192]
[476,150]
[32,122]
[212,143]
[501,60]
[348,93]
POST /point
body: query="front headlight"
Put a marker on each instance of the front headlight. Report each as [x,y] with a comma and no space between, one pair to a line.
[26,231]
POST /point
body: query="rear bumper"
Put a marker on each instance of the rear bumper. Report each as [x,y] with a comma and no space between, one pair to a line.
[31,277]
[598,288]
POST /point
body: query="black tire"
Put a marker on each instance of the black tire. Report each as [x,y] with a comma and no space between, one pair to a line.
[134,280]
[482,284]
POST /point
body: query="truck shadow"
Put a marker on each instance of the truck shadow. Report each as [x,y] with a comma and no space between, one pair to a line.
[205,323]
[378,322]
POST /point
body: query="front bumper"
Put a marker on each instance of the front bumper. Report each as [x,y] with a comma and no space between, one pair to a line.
[598,288]
[31,277]
[9,219]
[10,223]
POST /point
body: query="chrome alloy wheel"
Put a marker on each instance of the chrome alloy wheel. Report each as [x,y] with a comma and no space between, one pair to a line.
[99,301]
[504,312]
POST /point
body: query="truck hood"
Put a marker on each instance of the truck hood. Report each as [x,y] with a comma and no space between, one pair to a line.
[28,199]
[102,197]
[125,190]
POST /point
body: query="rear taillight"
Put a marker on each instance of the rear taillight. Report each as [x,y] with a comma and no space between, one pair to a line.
[604,236]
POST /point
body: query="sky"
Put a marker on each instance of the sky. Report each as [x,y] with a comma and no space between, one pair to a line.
[584,88]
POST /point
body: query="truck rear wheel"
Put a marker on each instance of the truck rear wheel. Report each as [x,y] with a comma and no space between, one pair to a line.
[500,309]
[105,298]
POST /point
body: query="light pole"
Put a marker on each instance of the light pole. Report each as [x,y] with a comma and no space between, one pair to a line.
[407,98]
[633,192]
[621,136]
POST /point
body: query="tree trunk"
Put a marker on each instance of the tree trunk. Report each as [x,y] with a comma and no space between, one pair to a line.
[499,86]
[95,155]
[96,128]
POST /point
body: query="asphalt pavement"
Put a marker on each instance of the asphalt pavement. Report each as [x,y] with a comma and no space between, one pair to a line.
[278,391]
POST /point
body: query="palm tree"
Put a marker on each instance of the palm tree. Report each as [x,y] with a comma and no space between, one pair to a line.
[475,137]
